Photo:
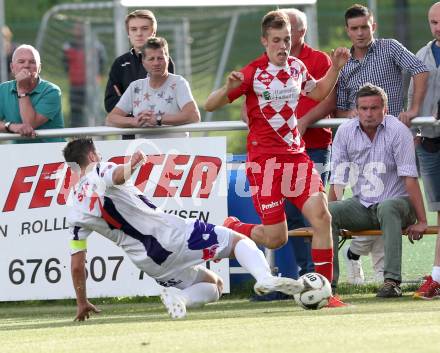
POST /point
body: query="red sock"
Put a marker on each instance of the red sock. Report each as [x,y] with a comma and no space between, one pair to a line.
[240,227]
[323,260]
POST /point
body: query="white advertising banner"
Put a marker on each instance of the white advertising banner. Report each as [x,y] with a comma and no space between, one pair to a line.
[183,176]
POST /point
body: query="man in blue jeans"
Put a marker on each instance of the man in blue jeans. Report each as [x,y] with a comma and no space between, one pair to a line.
[317,140]
[428,146]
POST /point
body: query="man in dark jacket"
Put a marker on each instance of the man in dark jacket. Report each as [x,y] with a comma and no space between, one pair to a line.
[140,25]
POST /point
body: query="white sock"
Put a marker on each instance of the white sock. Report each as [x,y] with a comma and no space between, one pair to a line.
[252,259]
[436,274]
[199,294]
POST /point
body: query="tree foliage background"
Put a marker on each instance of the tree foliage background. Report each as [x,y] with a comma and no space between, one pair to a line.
[404,20]
[24,17]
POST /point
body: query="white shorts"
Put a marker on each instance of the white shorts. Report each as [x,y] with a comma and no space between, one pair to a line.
[203,242]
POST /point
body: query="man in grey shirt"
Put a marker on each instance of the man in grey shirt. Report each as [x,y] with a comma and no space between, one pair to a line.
[428,145]
[374,154]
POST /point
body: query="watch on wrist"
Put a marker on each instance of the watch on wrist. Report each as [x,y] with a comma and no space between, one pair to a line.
[22,95]
[7,125]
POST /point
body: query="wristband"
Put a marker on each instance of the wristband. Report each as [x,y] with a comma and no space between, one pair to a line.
[7,125]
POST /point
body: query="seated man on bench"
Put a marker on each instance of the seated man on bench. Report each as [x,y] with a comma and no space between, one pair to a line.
[373,153]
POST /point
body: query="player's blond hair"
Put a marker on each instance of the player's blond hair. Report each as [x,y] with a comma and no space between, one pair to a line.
[146,14]
[274,19]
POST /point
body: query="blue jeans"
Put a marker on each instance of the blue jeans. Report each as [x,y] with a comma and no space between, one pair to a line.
[430,171]
[302,246]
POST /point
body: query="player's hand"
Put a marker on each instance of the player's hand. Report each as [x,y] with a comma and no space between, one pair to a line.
[137,159]
[234,80]
[83,311]
[416,231]
[406,117]
[339,57]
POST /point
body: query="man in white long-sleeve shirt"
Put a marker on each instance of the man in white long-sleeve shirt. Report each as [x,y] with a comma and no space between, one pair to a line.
[374,154]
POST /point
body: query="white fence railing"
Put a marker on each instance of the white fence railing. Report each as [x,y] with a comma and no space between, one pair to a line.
[196,127]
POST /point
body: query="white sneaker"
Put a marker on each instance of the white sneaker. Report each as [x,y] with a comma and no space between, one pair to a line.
[173,302]
[284,285]
[355,273]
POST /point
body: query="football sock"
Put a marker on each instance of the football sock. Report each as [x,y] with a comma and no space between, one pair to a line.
[252,259]
[243,228]
[323,261]
[436,274]
[199,294]
[352,256]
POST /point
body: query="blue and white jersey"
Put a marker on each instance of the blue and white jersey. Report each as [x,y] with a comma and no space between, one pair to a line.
[156,242]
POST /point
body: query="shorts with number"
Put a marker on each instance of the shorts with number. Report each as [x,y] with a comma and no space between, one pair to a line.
[183,278]
[203,242]
[275,178]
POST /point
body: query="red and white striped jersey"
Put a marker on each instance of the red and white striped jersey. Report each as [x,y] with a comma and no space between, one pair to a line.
[272,93]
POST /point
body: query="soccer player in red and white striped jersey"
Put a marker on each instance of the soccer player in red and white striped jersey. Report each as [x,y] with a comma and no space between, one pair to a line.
[277,166]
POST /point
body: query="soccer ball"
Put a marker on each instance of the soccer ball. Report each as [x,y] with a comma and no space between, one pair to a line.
[316,292]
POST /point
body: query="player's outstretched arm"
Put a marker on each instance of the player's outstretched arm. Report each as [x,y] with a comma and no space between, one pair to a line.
[123,172]
[78,271]
[219,98]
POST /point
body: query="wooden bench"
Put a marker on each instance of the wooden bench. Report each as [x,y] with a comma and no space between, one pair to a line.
[347,234]
[307,232]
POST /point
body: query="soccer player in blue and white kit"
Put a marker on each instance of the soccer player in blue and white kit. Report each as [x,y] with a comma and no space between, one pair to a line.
[168,248]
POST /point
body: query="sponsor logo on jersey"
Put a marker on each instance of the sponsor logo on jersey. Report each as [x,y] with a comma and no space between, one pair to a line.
[265,78]
[283,94]
[279,94]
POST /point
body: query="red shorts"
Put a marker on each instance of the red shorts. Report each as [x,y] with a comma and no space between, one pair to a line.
[273,179]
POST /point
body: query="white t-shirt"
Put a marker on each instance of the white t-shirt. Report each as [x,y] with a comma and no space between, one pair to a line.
[170,98]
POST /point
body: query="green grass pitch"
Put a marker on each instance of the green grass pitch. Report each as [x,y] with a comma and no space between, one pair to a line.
[229,326]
